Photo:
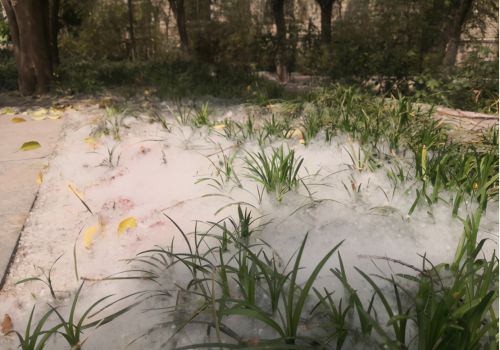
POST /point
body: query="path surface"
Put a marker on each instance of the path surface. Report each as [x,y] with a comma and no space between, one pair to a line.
[18,175]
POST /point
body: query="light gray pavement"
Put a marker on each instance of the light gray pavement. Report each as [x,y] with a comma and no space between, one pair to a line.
[18,173]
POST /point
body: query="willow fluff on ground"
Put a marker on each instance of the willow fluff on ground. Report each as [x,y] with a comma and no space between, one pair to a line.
[149,171]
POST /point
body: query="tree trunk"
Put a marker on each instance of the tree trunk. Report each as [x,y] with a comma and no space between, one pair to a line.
[454,30]
[326,7]
[278,7]
[29,27]
[131,30]
[203,10]
[54,31]
[180,17]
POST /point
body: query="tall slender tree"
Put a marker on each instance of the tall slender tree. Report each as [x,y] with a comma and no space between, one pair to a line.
[326,7]
[278,8]
[180,16]
[29,28]
[460,11]
[54,31]
[133,48]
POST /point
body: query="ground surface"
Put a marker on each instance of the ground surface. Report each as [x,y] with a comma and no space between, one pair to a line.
[19,169]
[145,171]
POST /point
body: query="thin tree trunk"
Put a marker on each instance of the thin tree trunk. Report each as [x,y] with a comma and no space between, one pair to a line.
[131,30]
[54,31]
[133,52]
[278,7]
[180,17]
[203,10]
[29,27]
[454,31]
[326,7]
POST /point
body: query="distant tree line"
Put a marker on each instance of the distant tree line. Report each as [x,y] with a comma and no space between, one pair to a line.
[350,37]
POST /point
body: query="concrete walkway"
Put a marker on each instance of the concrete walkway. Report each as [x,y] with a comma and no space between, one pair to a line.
[18,174]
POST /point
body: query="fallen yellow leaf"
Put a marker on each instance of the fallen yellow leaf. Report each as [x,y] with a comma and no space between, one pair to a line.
[39,178]
[89,233]
[126,224]
[90,140]
[18,120]
[55,116]
[8,110]
[30,145]
[56,110]
[38,117]
[39,114]
[297,133]
[219,126]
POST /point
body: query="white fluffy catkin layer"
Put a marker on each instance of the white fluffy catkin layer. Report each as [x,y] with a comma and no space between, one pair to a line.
[157,173]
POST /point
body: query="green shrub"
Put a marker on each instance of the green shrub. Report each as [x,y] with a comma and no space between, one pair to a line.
[8,73]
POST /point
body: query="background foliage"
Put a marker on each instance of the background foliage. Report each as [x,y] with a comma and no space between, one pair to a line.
[398,44]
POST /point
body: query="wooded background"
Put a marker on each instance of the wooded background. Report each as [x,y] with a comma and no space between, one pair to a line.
[335,38]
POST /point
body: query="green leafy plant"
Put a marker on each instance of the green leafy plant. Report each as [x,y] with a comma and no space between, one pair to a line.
[278,128]
[224,172]
[278,172]
[313,123]
[72,329]
[293,299]
[37,338]
[182,112]
[202,116]
[112,160]
[47,278]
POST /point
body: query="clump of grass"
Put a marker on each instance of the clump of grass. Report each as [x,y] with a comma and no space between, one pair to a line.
[248,128]
[293,300]
[47,278]
[72,329]
[236,286]
[490,136]
[277,172]
[312,124]
[243,225]
[157,116]
[183,113]
[229,129]
[111,124]
[114,118]
[37,338]
[112,160]
[202,116]
[224,171]
[278,128]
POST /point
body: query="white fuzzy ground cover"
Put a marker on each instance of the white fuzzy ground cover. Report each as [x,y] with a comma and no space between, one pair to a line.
[158,173]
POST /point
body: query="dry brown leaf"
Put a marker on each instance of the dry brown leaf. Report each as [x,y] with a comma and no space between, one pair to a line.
[6,325]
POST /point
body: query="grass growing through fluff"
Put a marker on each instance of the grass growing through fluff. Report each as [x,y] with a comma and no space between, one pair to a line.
[444,306]
[233,282]
[70,328]
[47,278]
[235,279]
[277,172]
